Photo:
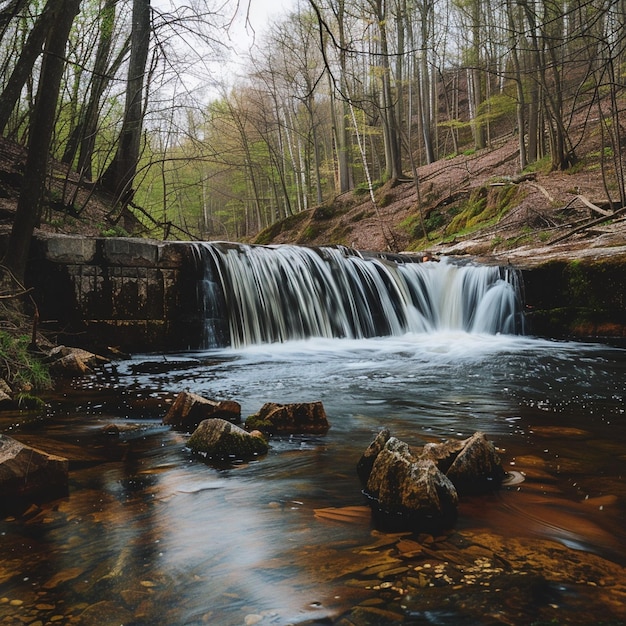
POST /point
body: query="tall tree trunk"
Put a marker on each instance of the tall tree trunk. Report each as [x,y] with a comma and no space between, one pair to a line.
[393,167]
[515,36]
[118,177]
[398,112]
[547,39]
[476,75]
[10,11]
[30,53]
[310,104]
[89,127]
[425,82]
[340,109]
[28,210]
[83,134]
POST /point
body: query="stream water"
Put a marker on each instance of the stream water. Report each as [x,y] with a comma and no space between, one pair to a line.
[150,534]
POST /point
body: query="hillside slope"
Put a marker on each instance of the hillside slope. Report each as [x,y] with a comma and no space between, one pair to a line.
[478,204]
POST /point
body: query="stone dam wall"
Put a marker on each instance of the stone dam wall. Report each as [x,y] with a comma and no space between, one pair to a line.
[132,294]
[143,296]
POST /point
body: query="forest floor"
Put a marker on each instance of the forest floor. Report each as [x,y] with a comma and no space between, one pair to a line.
[476,204]
[521,216]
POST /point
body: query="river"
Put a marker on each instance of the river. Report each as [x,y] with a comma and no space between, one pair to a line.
[150,534]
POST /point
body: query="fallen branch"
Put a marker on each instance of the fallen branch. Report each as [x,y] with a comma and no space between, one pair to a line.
[514,180]
[599,220]
[543,191]
[10,296]
[592,206]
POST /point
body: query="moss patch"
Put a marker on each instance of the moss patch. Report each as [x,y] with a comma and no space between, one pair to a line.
[485,206]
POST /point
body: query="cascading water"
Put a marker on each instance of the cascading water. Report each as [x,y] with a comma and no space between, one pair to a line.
[261,294]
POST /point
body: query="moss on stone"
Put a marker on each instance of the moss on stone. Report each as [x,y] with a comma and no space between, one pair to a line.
[219,439]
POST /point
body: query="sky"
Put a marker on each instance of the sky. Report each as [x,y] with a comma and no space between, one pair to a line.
[260,14]
[250,20]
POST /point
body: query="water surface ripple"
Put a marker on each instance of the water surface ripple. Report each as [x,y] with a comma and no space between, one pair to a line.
[152,535]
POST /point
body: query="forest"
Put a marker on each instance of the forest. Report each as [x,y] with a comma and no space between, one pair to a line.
[155,103]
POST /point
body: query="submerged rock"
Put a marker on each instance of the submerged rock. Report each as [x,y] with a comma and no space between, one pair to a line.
[27,472]
[189,409]
[419,491]
[477,468]
[366,462]
[407,492]
[220,440]
[286,419]
[472,464]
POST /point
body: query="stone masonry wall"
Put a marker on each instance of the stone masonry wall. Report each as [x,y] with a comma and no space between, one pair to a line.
[577,298]
[134,294]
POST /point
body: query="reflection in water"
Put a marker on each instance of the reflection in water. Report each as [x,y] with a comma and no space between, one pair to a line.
[154,536]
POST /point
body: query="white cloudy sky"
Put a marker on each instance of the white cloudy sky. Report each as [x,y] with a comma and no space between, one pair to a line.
[260,13]
[206,74]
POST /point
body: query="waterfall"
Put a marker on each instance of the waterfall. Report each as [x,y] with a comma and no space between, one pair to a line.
[267,294]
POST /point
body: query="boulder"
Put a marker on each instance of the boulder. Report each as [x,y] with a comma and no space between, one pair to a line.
[287,419]
[27,472]
[219,440]
[366,462]
[407,493]
[69,366]
[6,395]
[415,491]
[473,464]
[68,362]
[477,467]
[442,454]
[189,409]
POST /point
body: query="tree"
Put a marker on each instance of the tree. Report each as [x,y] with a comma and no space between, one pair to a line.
[10,10]
[547,44]
[41,128]
[514,38]
[24,66]
[119,176]
[386,99]
[82,138]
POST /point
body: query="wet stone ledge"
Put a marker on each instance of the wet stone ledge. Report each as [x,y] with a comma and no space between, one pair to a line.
[580,298]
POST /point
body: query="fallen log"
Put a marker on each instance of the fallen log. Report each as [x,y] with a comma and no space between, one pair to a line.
[593,207]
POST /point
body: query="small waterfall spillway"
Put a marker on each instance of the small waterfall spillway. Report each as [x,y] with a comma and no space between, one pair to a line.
[269,294]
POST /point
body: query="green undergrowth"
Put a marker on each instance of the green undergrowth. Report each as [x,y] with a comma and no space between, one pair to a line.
[267,235]
[22,371]
[484,207]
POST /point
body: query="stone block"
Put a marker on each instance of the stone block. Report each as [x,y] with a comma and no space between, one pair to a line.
[173,255]
[28,472]
[70,249]
[129,252]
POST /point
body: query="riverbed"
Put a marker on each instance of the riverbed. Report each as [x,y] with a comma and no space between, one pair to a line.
[150,534]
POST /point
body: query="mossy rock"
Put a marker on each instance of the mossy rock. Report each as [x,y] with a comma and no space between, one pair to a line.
[295,418]
[220,440]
